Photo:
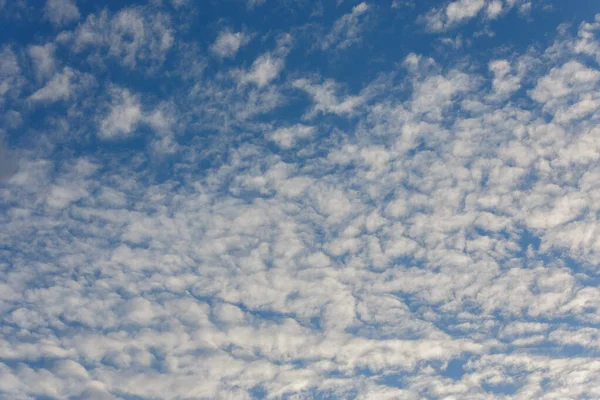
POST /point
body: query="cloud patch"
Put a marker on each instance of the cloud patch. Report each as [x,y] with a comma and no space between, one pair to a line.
[61,12]
[228,43]
[287,137]
[346,30]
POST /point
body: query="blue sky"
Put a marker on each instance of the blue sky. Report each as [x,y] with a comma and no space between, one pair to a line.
[299,199]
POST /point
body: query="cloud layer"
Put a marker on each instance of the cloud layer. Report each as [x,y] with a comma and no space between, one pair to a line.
[185,220]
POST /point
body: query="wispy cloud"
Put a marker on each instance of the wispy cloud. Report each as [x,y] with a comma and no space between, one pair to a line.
[346,30]
[63,85]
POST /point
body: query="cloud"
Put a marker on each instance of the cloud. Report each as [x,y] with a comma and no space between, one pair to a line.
[123,117]
[586,43]
[63,86]
[11,80]
[268,66]
[434,94]
[251,4]
[43,60]
[126,113]
[61,12]
[346,30]
[264,69]
[8,163]
[132,35]
[505,83]
[228,43]
[570,78]
[284,226]
[326,99]
[458,12]
[287,137]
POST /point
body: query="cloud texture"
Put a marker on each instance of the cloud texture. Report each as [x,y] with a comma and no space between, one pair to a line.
[190,211]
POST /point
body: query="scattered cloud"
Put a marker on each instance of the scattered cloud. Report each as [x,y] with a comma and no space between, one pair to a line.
[458,12]
[285,225]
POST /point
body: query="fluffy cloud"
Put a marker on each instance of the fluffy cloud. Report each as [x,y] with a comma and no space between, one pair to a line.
[505,82]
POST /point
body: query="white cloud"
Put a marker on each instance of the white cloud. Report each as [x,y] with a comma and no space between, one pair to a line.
[586,43]
[570,78]
[372,261]
[228,43]
[264,70]
[494,8]
[584,107]
[133,35]
[463,9]
[10,74]
[124,115]
[458,12]
[61,12]
[62,196]
[434,94]
[268,66]
[325,98]
[287,137]
[346,30]
[64,85]
[505,83]
[43,59]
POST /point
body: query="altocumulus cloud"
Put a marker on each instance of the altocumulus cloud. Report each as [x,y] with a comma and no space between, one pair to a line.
[298,200]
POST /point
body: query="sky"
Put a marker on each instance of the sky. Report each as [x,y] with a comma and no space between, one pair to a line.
[294,199]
